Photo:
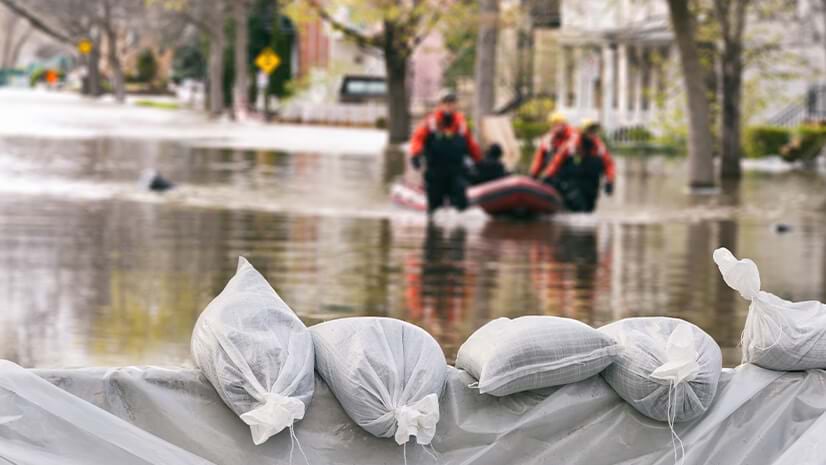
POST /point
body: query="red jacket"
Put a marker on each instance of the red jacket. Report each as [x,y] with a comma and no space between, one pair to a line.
[432,123]
[548,146]
[573,147]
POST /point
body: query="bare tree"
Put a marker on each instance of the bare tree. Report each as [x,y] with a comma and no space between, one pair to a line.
[107,22]
[486,61]
[823,30]
[217,43]
[34,20]
[240,10]
[209,18]
[701,166]
[66,21]
[15,34]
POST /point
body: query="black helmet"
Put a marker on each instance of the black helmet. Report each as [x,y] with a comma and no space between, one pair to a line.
[494,152]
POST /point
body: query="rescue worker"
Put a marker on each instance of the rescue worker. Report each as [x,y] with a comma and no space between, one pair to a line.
[559,133]
[578,166]
[491,167]
[443,142]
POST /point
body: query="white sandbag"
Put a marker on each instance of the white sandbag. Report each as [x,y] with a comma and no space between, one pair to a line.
[533,352]
[387,374]
[779,335]
[667,368]
[256,353]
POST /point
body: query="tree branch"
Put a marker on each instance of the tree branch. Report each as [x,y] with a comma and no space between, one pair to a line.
[722,11]
[429,25]
[740,19]
[355,35]
[34,21]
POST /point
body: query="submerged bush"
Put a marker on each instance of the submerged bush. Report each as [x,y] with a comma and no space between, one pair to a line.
[761,141]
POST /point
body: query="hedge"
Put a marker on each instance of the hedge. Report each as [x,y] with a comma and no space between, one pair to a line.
[761,141]
[806,143]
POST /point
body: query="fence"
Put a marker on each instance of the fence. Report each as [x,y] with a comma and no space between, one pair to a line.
[336,114]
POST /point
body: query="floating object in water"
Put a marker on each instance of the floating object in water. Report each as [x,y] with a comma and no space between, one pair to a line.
[781,228]
[154,181]
[513,195]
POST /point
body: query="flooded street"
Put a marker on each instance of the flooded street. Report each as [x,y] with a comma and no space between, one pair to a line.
[96,271]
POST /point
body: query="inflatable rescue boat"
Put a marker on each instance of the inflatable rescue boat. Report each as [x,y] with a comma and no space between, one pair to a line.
[512,196]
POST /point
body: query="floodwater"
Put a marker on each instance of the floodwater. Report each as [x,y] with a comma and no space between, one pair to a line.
[96,271]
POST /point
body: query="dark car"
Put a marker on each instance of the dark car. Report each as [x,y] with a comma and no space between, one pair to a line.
[362,89]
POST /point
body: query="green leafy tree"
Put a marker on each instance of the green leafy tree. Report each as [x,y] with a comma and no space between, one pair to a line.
[395,29]
[266,28]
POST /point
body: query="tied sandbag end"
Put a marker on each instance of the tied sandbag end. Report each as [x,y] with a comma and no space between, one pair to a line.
[740,275]
[272,416]
[417,419]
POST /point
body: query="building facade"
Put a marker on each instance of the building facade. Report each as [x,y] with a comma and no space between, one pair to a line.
[612,62]
[616,62]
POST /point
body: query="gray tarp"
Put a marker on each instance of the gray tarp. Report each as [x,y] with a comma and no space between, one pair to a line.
[758,417]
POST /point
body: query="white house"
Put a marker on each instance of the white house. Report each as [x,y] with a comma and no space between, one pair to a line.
[616,62]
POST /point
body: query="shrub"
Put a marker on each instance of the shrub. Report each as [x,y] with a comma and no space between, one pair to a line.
[639,134]
[806,143]
[147,66]
[531,119]
[761,141]
[39,75]
[36,76]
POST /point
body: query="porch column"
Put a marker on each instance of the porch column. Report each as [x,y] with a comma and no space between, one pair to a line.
[638,87]
[578,80]
[606,113]
[561,82]
[622,88]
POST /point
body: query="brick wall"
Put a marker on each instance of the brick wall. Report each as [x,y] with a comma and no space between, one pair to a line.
[313,47]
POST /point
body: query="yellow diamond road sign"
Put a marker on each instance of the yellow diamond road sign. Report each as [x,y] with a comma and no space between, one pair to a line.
[84,47]
[268,60]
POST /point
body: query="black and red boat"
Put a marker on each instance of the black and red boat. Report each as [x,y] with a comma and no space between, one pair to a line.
[510,196]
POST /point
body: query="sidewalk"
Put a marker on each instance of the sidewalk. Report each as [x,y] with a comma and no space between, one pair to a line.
[33,113]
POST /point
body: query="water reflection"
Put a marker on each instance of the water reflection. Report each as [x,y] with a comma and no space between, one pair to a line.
[120,277]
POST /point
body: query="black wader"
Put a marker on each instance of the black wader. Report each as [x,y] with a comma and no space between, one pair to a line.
[444,175]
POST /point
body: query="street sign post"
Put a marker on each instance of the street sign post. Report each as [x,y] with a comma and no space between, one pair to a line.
[267,60]
[84,47]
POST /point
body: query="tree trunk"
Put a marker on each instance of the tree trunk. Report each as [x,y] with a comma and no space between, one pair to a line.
[700,164]
[398,99]
[731,17]
[216,62]
[731,87]
[241,84]
[92,84]
[117,81]
[486,62]
[823,33]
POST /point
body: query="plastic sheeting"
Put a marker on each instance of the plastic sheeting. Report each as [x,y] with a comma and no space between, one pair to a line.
[758,417]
